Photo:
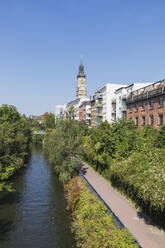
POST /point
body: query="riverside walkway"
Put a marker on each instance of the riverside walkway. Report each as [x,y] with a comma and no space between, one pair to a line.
[148,235]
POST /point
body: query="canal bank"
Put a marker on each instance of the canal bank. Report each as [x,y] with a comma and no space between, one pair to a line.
[140,226]
[35,215]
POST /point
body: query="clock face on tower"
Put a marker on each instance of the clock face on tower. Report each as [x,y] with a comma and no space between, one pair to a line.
[81,82]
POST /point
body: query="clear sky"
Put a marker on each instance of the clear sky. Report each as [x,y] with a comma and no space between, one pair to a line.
[121,41]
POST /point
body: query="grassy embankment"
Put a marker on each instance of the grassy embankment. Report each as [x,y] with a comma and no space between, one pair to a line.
[91,225]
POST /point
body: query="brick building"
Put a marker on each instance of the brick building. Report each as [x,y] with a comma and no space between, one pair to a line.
[85,112]
[146,106]
[82,113]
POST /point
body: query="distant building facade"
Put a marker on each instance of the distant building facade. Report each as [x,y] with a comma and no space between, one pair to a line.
[85,112]
[75,103]
[103,102]
[93,112]
[84,103]
[59,111]
[119,101]
[146,106]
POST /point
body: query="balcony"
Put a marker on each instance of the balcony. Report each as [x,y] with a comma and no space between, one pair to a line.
[99,105]
[100,114]
[88,111]
[124,96]
[113,101]
[113,111]
[146,95]
[100,96]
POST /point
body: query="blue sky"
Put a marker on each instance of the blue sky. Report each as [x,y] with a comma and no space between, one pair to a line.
[121,41]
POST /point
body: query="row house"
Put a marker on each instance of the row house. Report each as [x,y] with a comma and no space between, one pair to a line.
[146,106]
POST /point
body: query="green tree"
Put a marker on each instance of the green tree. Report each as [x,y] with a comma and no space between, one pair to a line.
[63,147]
[15,137]
[49,120]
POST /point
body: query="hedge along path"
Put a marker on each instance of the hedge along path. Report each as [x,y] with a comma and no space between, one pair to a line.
[148,235]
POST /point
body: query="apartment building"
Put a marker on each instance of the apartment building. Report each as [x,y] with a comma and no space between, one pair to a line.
[146,106]
[103,102]
[119,101]
[93,112]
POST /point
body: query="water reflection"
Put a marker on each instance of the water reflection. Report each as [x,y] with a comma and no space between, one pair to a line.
[35,215]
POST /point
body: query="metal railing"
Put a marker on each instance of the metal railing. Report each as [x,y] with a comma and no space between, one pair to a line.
[116,220]
[146,95]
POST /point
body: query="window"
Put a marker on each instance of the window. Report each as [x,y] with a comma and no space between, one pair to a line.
[124,115]
[143,105]
[160,119]
[136,106]
[143,121]
[136,121]
[130,107]
[161,102]
[152,120]
[151,104]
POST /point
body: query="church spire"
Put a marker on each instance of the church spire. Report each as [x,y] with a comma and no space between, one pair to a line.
[81,82]
[81,69]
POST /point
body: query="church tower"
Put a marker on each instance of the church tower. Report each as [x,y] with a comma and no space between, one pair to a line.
[81,91]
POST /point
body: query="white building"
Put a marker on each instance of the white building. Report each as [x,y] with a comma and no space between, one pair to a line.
[59,111]
[76,104]
[88,112]
[110,101]
[119,100]
[103,102]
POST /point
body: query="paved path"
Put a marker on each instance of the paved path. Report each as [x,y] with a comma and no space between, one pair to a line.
[148,235]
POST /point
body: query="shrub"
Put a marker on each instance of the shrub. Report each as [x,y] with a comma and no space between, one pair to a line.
[93,228]
[142,177]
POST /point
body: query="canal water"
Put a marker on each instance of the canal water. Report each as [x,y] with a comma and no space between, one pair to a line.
[34,216]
